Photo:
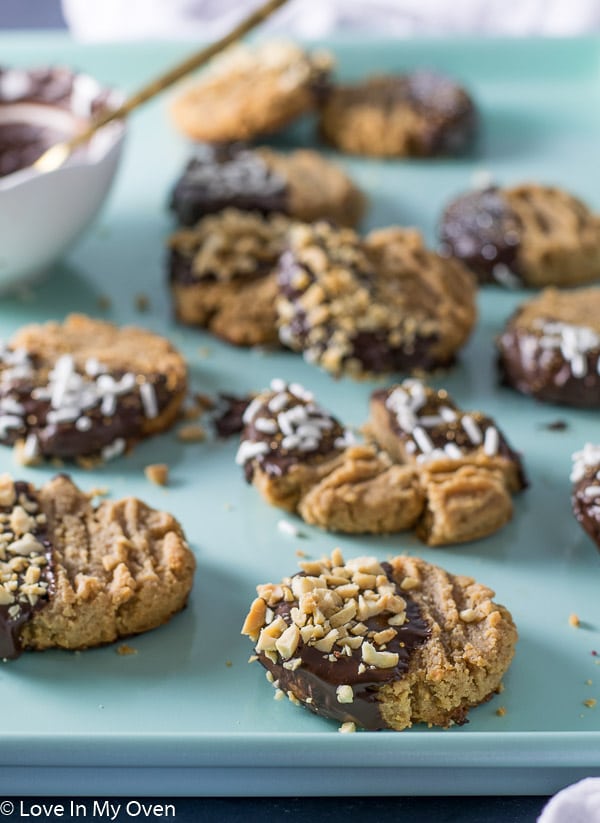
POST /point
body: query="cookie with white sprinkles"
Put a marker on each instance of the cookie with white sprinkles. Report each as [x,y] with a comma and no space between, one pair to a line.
[75,575]
[526,235]
[381,644]
[86,388]
[466,466]
[373,305]
[585,498]
[550,348]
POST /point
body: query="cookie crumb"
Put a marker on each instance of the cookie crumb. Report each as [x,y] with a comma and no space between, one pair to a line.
[588,682]
[157,473]
[104,302]
[203,351]
[98,491]
[590,703]
[125,650]
[300,553]
[347,728]
[501,711]
[228,507]
[556,425]
[574,621]
[27,452]
[142,302]
[192,433]
[228,663]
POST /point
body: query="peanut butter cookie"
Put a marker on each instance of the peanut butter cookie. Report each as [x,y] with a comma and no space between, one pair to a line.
[380,304]
[412,115]
[301,184]
[75,576]
[550,348]
[86,388]
[223,275]
[251,91]
[527,235]
[381,645]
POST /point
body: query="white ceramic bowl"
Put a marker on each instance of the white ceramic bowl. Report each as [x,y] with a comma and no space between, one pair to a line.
[42,214]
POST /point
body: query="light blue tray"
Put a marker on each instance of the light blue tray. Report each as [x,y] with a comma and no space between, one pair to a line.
[187,715]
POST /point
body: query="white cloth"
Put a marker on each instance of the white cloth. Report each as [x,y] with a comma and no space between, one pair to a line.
[579,803]
[208,19]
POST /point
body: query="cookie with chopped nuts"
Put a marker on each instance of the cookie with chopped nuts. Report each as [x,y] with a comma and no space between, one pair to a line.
[74,575]
[381,645]
[467,469]
[250,91]
[422,114]
[223,275]
[302,184]
[550,348]
[526,235]
[585,496]
[380,304]
[301,459]
[85,388]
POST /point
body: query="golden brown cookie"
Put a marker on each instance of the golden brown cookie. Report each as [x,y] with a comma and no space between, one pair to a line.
[87,388]
[527,235]
[251,91]
[381,645]
[450,479]
[222,275]
[74,575]
[380,304]
[302,184]
[550,348]
[412,115]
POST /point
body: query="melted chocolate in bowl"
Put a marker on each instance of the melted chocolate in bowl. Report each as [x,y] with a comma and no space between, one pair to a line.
[27,130]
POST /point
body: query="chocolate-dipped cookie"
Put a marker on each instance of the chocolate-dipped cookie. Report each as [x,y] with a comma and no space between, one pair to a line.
[467,469]
[222,275]
[527,235]
[422,114]
[86,388]
[550,348]
[380,304]
[381,645]
[585,477]
[250,91]
[301,184]
[74,575]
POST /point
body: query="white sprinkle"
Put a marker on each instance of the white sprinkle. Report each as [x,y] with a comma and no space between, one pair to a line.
[503,275]
[299,391]
[278,403]
[149,401]
[448,414]
[109,405]
[83,424]
[249,450]
[9,421]
[93,367]
[410,447]
[482,179]
[586,458]
[472,430]
[422,440]
[291,441]
[308,444]
[251,409]
[491,441]
[592,491]
[278,385]
[31,448]
[8,405]
[114,449]
[452,451]
[284,424]
[309,430]
[578,365]
[430,420]
[264,425]
[285,527]
[64,415]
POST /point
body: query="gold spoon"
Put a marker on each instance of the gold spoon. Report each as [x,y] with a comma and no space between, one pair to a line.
[56,155]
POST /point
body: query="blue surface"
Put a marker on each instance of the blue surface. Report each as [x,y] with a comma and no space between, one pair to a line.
[188,722]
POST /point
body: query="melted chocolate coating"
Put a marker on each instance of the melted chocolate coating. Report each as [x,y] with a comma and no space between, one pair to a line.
[22,143]
[544,373]
[279,460]
[64,440]
[229,421]
[227,175]
[587,509]
[443,100]
[10,627]
[318,677]
[480,229]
